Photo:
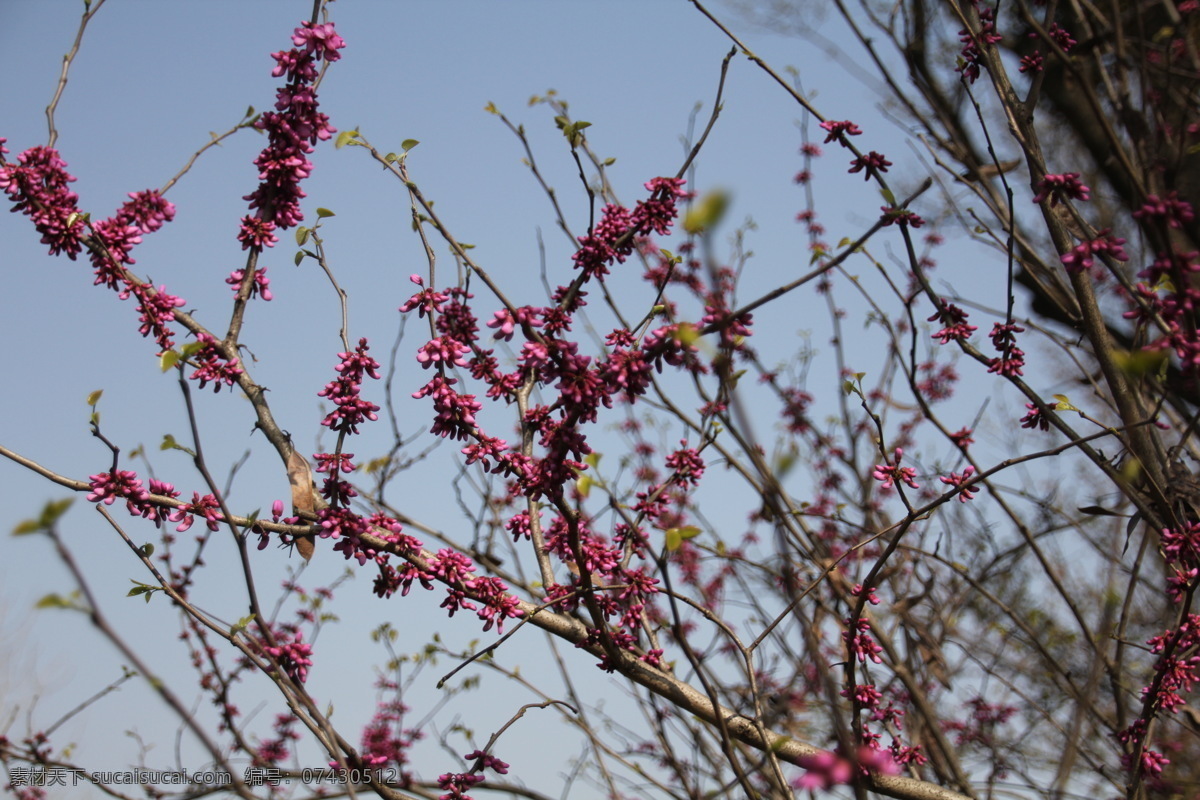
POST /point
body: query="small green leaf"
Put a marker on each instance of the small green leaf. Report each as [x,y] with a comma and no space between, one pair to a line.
[301,235]
[147,549]
[1063,403]
[54,510]
[1140,363]
[673,539]
[241,625]
[299,257]
[191,348]
[168,359]
[677,536]
[491,108]
[53,601]
[27,527]
[142,589]
[390,157]
[408,144]
[608,162]
[344,138]
[51,513]
[94,397]
[168,443]
[707,213]
[584,485]
[888,196]
[323,213]
[686,334]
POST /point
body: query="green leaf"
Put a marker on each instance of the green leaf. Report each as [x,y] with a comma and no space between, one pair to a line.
[94,397]
[706,214]
[677,536]
[26,527]
[1140,363]
[49,516]
[299,257]
[491,108]
[390,157]
[608,162]
[147,549]
[191,348]
[168,359]
[54,510]
[169,443]
[1063,403]
[142,589]
[673,539]
[323,213]
[584,485]
[53,601]
[686,334]
[302,235]
[241,625]
[888,196]
[344,138]
[408,144]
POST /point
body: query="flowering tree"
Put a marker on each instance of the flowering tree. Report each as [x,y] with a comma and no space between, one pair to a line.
[893,610]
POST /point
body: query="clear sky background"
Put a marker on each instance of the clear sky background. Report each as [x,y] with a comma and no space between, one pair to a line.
[153,77]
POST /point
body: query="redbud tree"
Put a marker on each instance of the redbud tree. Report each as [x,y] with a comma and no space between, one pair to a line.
[947,547]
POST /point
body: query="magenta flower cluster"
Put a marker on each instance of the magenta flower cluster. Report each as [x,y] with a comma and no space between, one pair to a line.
[973,44]
[1056,188]
[292,129]
[829,768]
[38,186]
[350,409]
[889,474]
[612,239]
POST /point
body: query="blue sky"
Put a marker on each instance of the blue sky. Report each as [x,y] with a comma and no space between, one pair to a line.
[151,80]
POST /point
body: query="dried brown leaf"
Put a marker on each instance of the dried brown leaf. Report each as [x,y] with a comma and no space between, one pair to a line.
[303,497]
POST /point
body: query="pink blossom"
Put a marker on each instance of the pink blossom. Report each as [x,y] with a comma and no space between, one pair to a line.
[869,164]
[1057,187]
[956,480]
[108,486]
[1081,256]
[838,130]
[887,474]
